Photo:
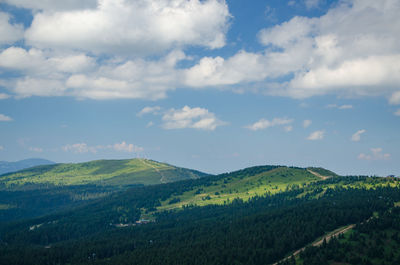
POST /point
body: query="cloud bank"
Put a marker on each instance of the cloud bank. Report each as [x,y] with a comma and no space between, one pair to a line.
[109,49]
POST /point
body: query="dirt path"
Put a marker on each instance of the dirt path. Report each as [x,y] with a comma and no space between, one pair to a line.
[327,237]
[163,179]
[318,175]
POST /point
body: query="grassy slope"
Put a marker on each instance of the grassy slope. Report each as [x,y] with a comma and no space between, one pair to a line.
[226,189]
[104,172]
[233,185]
[323,171]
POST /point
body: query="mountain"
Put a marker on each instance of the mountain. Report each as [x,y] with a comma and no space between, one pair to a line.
[99,172]
[257,215]
[146,202]
[6,167]
[45,189]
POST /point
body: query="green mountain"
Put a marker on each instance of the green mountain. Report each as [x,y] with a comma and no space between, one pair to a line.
[258,215]
[45,189]
[242,184]
[100,172]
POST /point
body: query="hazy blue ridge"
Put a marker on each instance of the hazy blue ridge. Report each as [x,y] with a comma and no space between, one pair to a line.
[7,167]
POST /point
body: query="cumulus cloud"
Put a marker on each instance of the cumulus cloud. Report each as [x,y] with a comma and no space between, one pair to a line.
[317,135]
[80,148]
[144,41]
[264,124]
[397,113]
[149,110]
[376,154]
[36,62]
[242,67]
[78,75]
[1,147]
[357,135]
[306,123]
[5,118]
[9,33]
[323,56]
[134,27]
[195,118]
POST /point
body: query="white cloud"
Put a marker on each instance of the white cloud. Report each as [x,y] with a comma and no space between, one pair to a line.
[242,67]
[196,118]
[1,147]
[397,113]
[149,124]
[357,135]
[317,135]
[124,147]
[80,76]
[325,57]
[264,124]
[149,110]
[134,27]
[341,107]
[322,56]
[376,154]
[5,118]
[9,33]
[81,148]
[36,149]
[4,96]
[66,38]
[306,123]
[38,63]
[39,87]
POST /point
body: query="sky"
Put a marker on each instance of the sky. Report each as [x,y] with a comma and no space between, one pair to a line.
[210,85]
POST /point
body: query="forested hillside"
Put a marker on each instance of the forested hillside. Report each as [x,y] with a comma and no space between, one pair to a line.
[276,211]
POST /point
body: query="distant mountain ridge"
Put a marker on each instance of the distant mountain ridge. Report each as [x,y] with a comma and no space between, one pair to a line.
[99,172]
[7,167]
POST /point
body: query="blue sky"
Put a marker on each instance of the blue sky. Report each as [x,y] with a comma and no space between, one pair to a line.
[210,85]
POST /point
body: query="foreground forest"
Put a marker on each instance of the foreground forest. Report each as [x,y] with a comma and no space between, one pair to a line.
[258,215]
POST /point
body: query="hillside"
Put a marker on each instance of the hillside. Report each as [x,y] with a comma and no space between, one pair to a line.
[50,188]
[148,202]
[6,167]
[100,172]
[242,184]
[290,209]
